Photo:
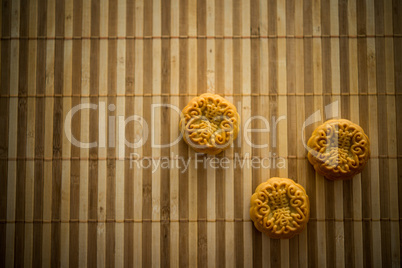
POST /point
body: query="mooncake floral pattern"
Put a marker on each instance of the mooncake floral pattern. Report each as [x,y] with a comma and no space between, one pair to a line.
[209,123]
[338,149]
[280,208]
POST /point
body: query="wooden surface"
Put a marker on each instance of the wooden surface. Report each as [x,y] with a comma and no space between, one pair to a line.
[61,205]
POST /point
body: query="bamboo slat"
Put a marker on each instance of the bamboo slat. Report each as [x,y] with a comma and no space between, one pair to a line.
[192,73]
[264,138]
[210,173]
[174,132]
[335,84]
[48,148]
[228,172]
[111,165]
[30,167]
[392,137]
[4,141]
[66,146]
[282,111]
[246,148]
[12,130]
[103,137]
[120,230]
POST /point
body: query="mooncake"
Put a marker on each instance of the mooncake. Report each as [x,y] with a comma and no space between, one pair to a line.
[209,123]
[338,149]
[280,208]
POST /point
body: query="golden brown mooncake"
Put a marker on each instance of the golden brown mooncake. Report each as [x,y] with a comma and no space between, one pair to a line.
[338,149]
[280,208]
[209,123]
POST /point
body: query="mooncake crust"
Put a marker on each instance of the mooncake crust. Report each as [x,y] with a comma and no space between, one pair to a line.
[209,123]
[338,149]
[280,208]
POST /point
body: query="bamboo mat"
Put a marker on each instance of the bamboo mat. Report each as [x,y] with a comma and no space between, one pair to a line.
[61,205]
